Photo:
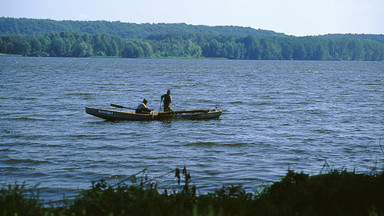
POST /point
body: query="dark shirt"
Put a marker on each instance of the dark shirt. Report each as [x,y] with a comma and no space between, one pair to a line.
[167,101]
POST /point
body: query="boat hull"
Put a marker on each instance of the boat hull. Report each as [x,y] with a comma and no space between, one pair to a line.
[117,115]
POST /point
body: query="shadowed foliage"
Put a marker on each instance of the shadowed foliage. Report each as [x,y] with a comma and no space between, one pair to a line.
[336,193]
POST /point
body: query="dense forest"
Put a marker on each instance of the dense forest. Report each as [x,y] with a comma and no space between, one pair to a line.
[67,44]
[184,44]
[374,37]
[10,26]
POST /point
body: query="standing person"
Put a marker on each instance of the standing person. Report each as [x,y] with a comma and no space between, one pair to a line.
[167,101]
[142,108]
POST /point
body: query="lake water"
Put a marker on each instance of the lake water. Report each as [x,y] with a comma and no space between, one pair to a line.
[277,115]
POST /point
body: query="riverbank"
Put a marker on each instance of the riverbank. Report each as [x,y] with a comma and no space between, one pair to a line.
[338,192]
[14,55]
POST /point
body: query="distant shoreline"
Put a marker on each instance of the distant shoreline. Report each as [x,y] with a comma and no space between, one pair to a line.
[12,55]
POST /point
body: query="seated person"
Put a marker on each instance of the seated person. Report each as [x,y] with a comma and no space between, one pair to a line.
[142,108]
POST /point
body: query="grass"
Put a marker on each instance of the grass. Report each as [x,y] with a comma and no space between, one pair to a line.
[14,55]
[337,192]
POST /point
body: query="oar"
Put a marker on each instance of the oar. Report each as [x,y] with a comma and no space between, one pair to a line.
[119,106]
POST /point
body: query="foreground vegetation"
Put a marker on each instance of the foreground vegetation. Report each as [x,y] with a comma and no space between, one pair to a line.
[336,193]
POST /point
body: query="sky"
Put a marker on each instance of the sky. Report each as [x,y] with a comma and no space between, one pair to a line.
[291,17]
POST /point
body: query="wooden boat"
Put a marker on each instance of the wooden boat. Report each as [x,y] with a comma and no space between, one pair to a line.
[116,115]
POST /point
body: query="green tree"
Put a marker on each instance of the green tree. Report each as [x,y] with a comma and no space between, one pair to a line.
[299,51]
[21,46]
[212,49]
[357,49]
[82,49]
[36,47]
[192,50]
[373,51]
[112,48]
[6,46]
[57,46]
[286,49]
[131,50]
[146,48]
[271,50]
[252,47]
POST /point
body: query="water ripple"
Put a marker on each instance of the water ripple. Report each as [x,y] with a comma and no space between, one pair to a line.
[277,115]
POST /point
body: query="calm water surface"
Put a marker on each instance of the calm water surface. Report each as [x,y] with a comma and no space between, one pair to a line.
[277,115]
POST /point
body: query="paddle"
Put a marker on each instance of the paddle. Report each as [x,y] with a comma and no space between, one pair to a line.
[119,106]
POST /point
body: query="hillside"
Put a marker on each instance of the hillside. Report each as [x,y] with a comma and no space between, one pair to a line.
[34,37]
[374,37]
[9,26]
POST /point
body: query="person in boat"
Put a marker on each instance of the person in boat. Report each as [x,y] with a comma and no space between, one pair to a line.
[167,101]
[142,108]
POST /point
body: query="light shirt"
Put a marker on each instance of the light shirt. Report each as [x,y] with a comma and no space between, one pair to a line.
[142,106]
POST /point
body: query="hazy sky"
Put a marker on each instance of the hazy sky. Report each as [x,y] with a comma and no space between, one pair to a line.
[293,17]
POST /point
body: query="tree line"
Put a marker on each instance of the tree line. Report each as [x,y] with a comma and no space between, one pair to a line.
[10,26]
[70,44]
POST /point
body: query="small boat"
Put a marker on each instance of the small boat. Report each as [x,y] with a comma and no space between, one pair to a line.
[117,115]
